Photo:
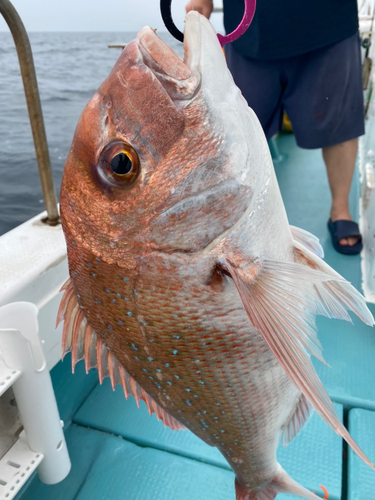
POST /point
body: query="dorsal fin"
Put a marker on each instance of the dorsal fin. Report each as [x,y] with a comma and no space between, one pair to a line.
[79,338]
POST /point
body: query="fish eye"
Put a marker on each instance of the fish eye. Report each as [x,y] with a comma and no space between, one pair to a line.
[119,164]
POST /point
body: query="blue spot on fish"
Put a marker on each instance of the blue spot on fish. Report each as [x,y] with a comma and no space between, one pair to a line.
[157,385]
[144,369]
[113,300]
[150,359]
[129,313]
[188,402]
[152,378]
[121,323]
[201,382]
[126,298]
[169,383]
[118,295]
[99,260]
[187,390]
[222,432]
[89,265]
[97,301]
[78,296]
[75,272]
[93,275]
[175,352]
[108,291]
[135,348]
[151,340]
[158,370]
[135,357]
[109,327]
[175,316]
[176,376]
[126,279]
[175,336]
[167,365]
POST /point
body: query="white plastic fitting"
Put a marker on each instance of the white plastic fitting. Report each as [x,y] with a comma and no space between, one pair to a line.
[21,349]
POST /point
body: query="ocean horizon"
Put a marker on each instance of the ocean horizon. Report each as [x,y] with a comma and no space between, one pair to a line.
[70,66]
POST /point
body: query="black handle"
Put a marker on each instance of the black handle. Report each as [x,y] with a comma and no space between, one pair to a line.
[166,14]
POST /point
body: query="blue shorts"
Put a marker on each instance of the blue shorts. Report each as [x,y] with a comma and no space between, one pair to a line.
[321,91]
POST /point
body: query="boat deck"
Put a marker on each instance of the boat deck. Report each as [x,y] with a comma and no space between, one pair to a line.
[120,453]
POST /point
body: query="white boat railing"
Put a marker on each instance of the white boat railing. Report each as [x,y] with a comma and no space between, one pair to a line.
[23,366]
[33,267]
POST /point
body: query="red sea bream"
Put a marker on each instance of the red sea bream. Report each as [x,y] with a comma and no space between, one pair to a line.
[187,284]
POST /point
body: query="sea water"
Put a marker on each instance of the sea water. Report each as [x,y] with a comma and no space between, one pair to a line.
[69,67]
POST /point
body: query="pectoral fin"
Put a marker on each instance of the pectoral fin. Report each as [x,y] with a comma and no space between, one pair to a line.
[281,300]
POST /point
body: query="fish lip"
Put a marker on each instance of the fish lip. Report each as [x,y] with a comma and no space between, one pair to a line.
[193,41]
[179,80]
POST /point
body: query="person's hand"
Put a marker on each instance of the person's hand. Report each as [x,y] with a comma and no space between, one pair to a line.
[204,7]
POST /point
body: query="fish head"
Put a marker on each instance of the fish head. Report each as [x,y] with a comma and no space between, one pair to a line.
[159,159]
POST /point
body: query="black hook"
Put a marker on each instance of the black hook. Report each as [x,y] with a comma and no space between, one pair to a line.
[166,14]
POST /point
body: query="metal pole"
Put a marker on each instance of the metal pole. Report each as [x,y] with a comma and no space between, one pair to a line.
[30,84]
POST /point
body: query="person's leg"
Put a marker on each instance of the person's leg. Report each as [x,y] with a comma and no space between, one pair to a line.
[261,86]
[324,101]
[340,162]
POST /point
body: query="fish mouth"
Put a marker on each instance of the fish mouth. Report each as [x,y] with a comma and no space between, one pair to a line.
[180,78]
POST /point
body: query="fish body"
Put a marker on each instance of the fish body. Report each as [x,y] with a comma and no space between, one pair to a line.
[187,284]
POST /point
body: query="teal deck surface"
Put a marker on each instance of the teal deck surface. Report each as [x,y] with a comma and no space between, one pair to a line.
[314,457]
[120,453]
[105,467]
[361,484]
[348,349]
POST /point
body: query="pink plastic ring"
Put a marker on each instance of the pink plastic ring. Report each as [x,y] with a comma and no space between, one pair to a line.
[250,6]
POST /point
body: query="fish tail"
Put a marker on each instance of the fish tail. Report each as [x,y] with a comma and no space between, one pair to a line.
[281,483]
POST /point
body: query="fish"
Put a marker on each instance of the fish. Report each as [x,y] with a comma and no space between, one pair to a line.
[187,284]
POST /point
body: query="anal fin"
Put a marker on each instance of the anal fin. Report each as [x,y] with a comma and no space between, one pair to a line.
[298,421]
[79,338]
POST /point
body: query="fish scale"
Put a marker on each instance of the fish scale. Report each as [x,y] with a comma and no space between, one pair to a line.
[229,396]
[187,284]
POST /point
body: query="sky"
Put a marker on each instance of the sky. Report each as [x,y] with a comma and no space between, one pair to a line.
[98,15]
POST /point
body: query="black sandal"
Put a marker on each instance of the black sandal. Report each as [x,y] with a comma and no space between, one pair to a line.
[345,229]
